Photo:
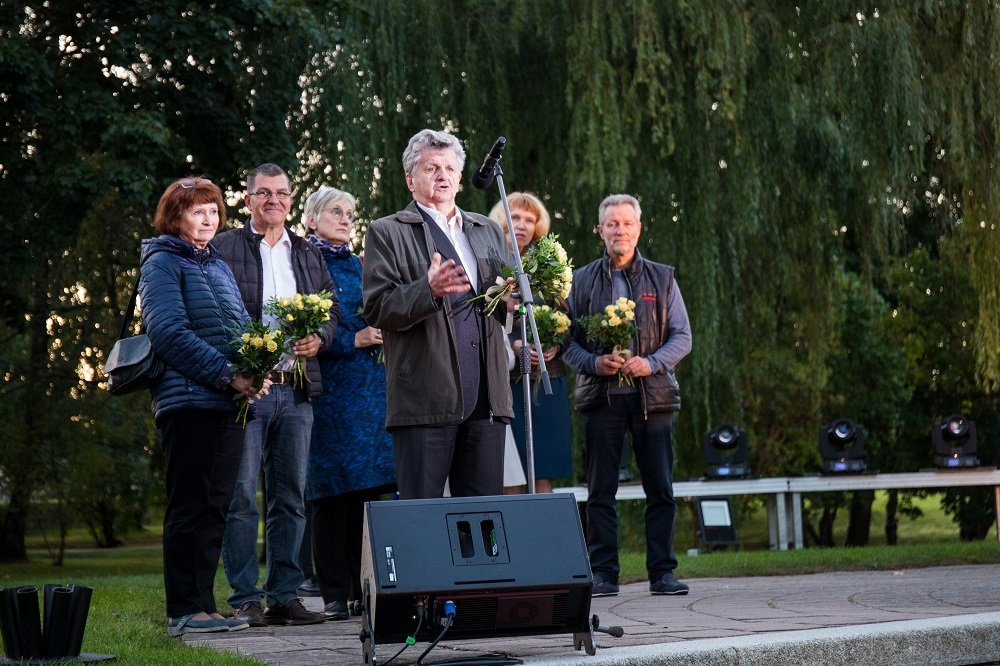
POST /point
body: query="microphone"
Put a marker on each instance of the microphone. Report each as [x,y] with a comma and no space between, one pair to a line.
[482,178]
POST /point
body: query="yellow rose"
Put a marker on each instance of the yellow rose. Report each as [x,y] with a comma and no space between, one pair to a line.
[258,342]
[289,317]
[622,302]
[614,321]
[610,310]
[277,333]
[604,322]
[245,337]
[272,345]
[326,303]
[629,315]
[313,299]
[631,304]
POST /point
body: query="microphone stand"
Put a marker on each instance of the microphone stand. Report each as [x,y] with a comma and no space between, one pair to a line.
[527,317]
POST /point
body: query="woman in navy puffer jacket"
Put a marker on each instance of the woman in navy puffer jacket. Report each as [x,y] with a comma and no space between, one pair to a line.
[190,310]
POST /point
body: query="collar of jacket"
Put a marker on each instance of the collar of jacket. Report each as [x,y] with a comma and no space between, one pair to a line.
[411,215]
[633,269]
[252,235]
[178,246]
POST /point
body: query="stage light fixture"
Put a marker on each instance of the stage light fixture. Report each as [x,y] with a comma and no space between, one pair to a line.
[955,442]
[725,449]
[842,446]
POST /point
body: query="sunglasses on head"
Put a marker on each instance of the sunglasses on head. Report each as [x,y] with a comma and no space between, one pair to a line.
[188,183]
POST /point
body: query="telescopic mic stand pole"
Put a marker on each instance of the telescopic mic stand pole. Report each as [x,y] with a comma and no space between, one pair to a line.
[482,179]
[527,319]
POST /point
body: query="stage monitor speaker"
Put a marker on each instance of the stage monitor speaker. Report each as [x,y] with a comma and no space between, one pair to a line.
[512,565]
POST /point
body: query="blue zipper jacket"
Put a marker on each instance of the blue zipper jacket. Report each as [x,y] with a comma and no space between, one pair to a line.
[191,309]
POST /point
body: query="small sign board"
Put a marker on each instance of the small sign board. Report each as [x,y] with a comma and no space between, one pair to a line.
[716,517]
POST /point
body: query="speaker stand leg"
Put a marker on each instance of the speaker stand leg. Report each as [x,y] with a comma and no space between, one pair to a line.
[585,640]
[367,629]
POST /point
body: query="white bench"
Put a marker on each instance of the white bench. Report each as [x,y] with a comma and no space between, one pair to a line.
[783,495]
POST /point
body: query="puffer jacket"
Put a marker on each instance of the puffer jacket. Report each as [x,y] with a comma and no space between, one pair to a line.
[240,248]
[650,284]
[421,358]
[190,308]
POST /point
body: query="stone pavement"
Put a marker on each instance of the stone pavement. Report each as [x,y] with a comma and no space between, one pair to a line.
[933,616]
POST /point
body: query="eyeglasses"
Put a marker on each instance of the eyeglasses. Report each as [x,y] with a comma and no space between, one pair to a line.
[341,214]
[188,183]
[267,194]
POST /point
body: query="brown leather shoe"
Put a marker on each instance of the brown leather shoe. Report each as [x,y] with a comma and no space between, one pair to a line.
[293,613]
[251,613]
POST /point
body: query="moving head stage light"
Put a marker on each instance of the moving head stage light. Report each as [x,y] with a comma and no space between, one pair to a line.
[842,446]
[725,449]
[955,442]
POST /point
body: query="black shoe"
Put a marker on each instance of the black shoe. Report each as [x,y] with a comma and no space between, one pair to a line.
[308,588]
[603,588]
[668,584]
[336,610]
[293,613]
[251,613]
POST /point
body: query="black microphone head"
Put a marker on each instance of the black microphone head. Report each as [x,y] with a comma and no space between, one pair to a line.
[483,177]
[482,181]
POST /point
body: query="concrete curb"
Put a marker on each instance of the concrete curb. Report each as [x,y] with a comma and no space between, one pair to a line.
[946,641]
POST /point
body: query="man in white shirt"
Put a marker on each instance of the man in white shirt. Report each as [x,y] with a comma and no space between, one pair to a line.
[270,261]
[448,396]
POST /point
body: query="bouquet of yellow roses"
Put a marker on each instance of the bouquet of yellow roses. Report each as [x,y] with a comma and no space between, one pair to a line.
[300,316]
[549,270]
[258,350]
[612,329]
[552,326]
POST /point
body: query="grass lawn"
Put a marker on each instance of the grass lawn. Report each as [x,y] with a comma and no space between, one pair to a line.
[127,612]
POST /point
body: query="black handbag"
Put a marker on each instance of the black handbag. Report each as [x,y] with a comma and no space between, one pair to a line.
[132,364]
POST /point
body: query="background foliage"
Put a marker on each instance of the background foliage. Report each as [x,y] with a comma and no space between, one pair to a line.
[821,175]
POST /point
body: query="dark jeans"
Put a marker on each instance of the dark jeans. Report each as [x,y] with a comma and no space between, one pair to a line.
[203,449]
[604,431]
[337,532]
[468,455]
[306,549]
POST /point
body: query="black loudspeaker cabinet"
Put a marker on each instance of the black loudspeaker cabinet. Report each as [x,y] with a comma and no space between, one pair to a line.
[512,565]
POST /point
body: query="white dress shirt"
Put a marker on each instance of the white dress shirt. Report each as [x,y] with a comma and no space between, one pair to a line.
[278,280]
[453,227]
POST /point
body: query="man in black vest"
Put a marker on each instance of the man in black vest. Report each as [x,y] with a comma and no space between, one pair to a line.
[447,393]
[643,406]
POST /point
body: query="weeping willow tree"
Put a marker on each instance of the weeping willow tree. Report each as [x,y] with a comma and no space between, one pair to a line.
[774,148]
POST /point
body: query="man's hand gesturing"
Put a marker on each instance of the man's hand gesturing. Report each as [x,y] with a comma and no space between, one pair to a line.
[446,278]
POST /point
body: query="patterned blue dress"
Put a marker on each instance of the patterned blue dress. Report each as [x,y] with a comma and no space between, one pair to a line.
[350,448]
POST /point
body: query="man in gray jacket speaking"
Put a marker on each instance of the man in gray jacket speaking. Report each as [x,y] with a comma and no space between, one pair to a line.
[447,392]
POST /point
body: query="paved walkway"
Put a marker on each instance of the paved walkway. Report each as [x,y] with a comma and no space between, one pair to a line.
[934,616]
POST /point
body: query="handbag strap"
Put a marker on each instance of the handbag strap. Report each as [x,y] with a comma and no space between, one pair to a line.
[130,310]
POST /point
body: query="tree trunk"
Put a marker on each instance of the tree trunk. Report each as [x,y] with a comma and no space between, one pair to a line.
[24,472]
[826,526]
[892,518]
[859,527]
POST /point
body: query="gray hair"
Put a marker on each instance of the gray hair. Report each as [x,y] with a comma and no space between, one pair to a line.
[267,170]
[319,200]
[429,139]
[619,200]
